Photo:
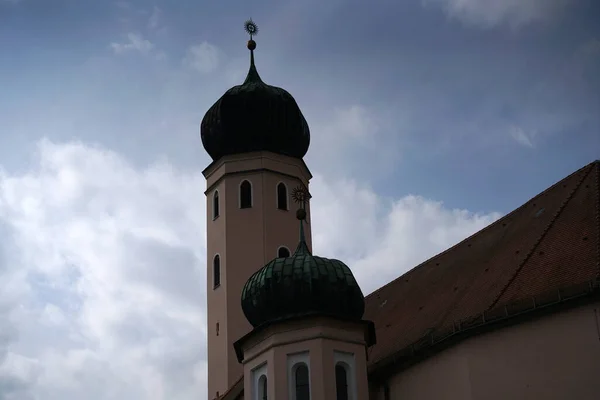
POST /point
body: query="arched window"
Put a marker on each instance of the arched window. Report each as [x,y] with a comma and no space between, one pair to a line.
[283,252]
[245,194]
[302,384]
[216,204]
[282,196]
[216,271]
[341,382]
[262,387]
[345,378]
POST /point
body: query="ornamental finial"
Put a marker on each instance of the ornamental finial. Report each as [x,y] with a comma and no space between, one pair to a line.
[252,29]
[301,195]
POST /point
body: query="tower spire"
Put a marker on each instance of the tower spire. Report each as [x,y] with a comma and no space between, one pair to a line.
[252,29]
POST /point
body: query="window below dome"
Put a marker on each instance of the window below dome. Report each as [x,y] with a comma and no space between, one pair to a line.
[341,382]
[245,194]
[282,197]
[345,382]
[299,376]
[302,387]
[262,387]
[216,271]
[259,383]
[283,252]
[215,205]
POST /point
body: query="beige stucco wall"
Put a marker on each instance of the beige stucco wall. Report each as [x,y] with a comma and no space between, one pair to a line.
[320,339]
[554,357]
[245,239]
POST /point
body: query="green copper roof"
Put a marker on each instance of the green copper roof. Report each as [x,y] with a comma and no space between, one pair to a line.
[302,284]
[255,116]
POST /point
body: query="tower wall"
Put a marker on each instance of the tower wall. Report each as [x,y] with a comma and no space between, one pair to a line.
[245,240]
[320,344]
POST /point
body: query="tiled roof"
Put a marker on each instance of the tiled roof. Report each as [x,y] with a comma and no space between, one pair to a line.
[550,243]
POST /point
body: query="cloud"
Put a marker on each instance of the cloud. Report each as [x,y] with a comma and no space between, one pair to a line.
[358,134]
[492,13]
[112,263]
[155,17]
[135,43]
[382,238]
[203,57]
[523,138]
[106,275]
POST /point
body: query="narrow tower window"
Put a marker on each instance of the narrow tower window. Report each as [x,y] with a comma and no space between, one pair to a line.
[283,252]
[216,271]
[216,204]
[302,385]
[262,388]
[245,194]
[341,382]
[282,196]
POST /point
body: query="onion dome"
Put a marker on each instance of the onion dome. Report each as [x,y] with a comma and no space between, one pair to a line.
[255,116]
[302,284]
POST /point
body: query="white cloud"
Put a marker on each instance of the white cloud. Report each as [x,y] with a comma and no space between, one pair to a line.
[363,144]
[522,137]
[491,13]
[155,17]
[135,43]
[111,259]
[381,238]
[203,57]
[105,269]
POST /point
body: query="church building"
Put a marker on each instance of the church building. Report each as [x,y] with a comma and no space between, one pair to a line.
[512,312]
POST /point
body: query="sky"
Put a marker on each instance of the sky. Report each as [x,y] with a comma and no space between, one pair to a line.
[429,120]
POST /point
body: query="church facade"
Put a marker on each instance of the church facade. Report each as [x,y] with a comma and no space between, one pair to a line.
[512,312]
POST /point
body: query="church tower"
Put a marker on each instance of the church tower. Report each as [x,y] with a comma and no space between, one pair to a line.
[256,136]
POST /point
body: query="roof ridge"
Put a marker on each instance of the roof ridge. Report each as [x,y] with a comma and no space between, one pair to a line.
[557,214]
[233,387]
[503,218]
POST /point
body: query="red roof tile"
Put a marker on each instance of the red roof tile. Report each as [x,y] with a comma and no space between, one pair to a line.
[551,242]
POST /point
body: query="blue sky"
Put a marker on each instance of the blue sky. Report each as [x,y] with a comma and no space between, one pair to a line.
[429,119]
[450,93]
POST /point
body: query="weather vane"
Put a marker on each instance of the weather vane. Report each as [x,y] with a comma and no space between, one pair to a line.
[301,196]
[252,30]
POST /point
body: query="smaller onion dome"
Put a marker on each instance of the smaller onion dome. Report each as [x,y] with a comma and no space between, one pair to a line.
[255,116]
[302,284]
